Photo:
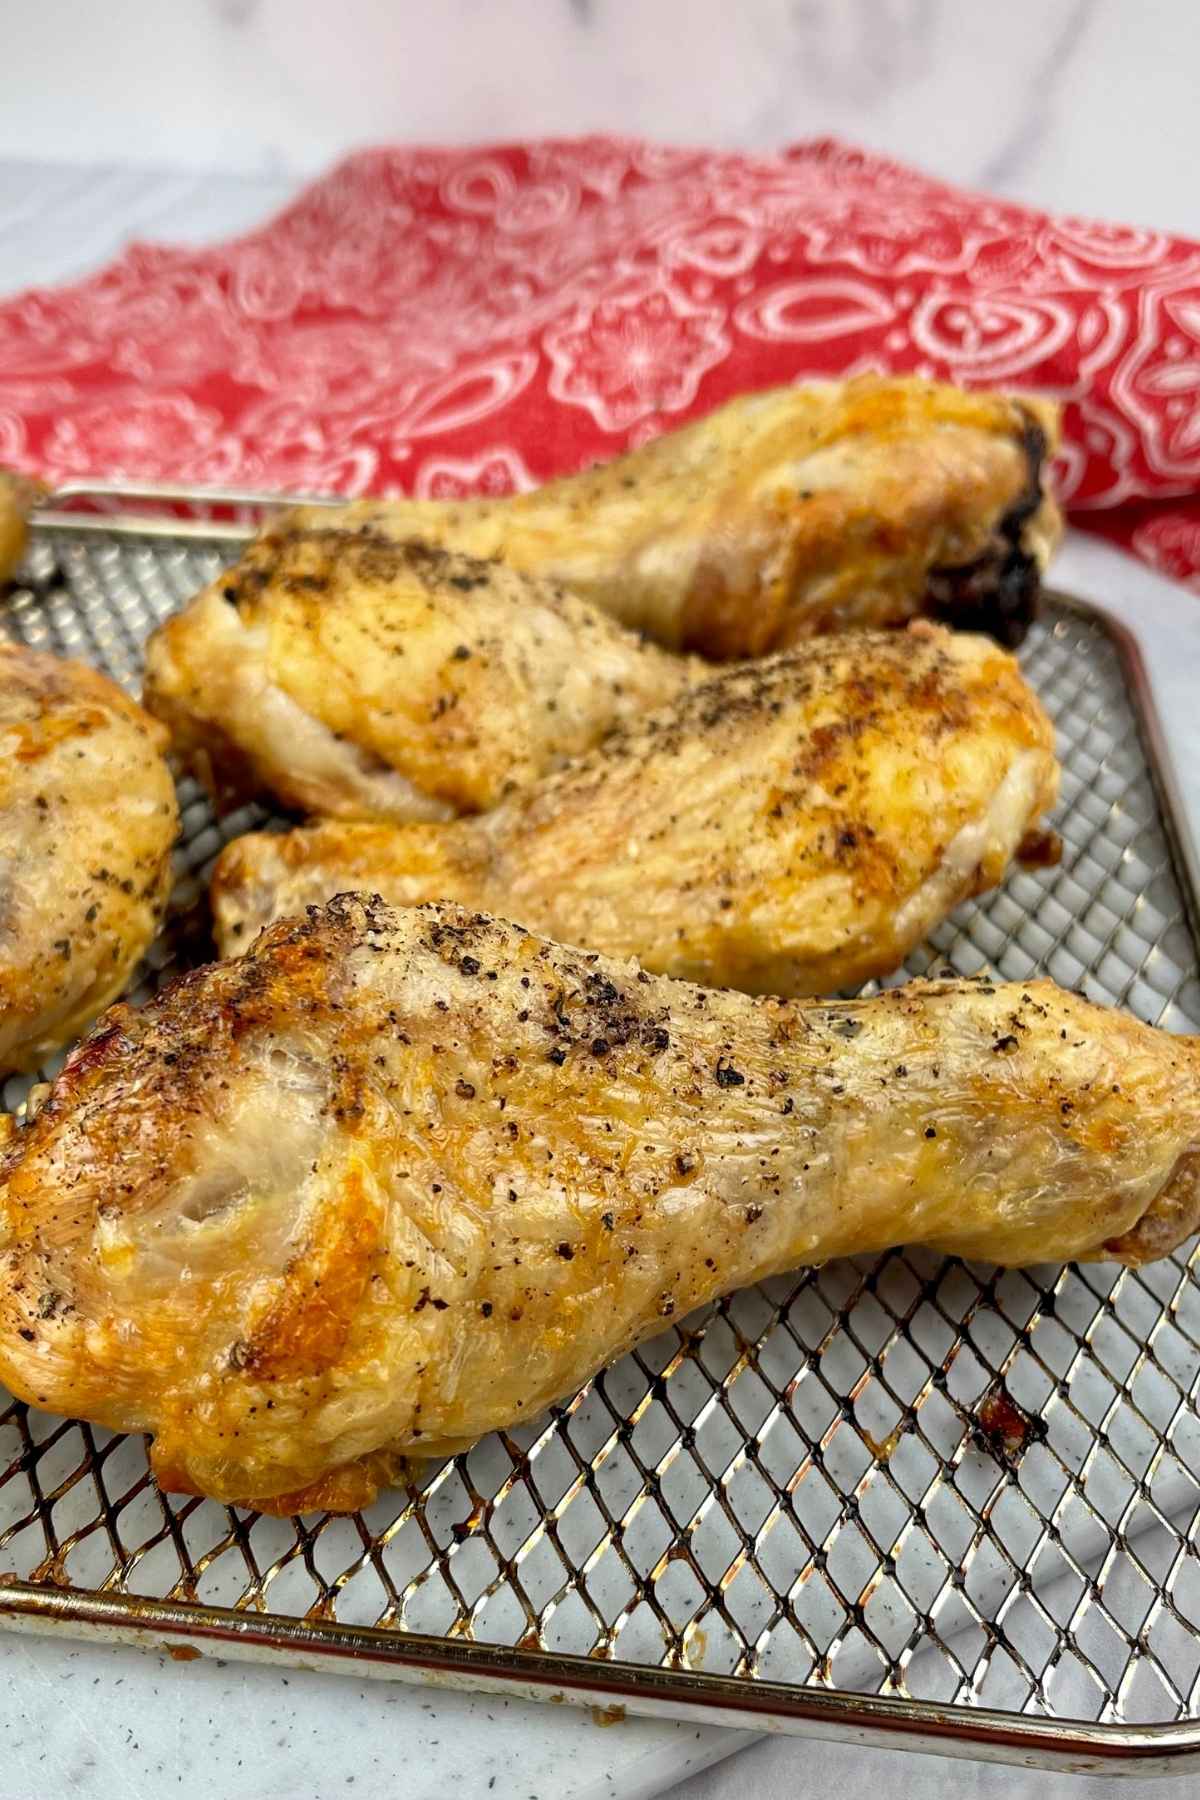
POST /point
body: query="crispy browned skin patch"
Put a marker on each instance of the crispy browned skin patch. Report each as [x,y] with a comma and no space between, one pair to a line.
[393,1180]
[792,826]
[785,514]
[357,676]
[87,821]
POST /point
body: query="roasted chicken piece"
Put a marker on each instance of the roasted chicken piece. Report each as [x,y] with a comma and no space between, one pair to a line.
[393,1180]
[87,821]
[783,515]
[18,494]
[791,826]
[359,677]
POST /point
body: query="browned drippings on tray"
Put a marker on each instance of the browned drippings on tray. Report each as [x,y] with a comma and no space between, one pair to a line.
[1040,850]
[1002,1428]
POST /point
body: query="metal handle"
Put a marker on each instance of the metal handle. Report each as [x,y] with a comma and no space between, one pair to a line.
[55,513]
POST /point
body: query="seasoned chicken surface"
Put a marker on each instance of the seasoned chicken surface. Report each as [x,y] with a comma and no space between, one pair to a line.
[87,821]
[18,494]
[393,1180]
[791,826]
[785,514]
[355,676]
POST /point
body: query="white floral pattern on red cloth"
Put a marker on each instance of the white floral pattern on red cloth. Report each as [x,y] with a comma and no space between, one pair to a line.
[477,320]
[495,472]
[1171,542]
[156,434]
[635,353]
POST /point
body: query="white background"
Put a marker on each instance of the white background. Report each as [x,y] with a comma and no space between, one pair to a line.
[1088,105]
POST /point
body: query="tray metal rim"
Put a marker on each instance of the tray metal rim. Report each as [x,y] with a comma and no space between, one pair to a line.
[611,1688]
[1177,820]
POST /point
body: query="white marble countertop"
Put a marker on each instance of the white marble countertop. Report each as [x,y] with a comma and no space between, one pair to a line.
[104,1721]
[1080,105]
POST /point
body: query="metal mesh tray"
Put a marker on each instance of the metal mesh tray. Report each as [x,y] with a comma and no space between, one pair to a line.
[904,1498]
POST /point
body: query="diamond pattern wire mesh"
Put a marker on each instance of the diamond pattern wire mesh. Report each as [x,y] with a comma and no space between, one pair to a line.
[898,1475]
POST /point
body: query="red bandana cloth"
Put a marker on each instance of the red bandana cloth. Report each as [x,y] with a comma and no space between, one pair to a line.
[445,322]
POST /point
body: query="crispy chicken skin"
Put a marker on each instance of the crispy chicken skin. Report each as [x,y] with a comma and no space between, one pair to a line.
[87,820]
[355,676]
[394,1179]
[790,826]
[18,494]
[786,514]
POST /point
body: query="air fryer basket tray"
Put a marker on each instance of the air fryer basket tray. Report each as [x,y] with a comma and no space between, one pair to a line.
[902,1498]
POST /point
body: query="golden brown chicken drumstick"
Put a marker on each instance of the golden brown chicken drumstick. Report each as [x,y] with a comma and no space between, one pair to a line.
[785,514]
[87,821]
[360,677]
[790,826]
[395,1179]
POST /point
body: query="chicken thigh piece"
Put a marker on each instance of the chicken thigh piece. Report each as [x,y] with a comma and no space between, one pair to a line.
[87,820]
[785,514]
[791,826]
[393,1180]
[359,677]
